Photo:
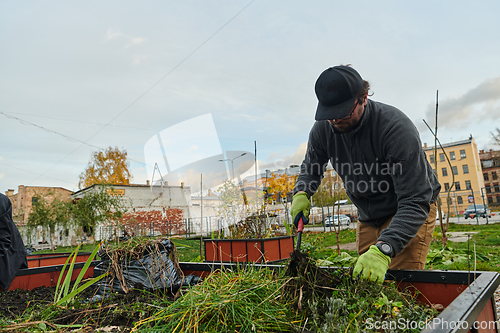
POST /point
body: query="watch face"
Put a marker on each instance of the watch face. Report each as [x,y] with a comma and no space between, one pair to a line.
[386,248]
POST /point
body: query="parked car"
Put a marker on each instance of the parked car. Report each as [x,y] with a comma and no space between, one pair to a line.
[334,219]
[480,210]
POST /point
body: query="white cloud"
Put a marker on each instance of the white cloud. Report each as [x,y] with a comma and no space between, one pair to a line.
[277,161]
[139,58]
[112,33]
[137,40]
[481,102]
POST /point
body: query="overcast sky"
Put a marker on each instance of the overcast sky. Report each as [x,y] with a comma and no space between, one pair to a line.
[76,76]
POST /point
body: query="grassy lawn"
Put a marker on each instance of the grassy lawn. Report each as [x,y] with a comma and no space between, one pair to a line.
[188,248]
[456,256]
[486,243]
[322,245]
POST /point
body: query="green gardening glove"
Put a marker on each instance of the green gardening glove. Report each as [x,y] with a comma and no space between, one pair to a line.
[300,203]
[372,265]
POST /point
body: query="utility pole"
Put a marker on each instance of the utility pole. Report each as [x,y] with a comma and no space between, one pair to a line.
[255,162]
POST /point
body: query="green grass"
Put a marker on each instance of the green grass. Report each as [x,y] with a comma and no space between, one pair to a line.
[487,246]
[319,244]
[188,248]
[322,245]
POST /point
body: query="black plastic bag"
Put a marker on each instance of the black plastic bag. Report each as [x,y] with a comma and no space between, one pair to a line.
[153,271]
[12,250]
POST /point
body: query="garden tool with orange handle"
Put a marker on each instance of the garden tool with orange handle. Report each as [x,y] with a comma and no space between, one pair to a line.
[300,228]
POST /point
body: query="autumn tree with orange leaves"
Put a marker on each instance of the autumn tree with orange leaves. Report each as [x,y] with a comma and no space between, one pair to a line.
[108,166]
[280,185]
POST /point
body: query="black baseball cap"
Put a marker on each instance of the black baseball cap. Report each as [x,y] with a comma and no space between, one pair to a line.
[336,89]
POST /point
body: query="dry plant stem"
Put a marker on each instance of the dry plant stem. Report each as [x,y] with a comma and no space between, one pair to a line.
[299,303]
[28,324]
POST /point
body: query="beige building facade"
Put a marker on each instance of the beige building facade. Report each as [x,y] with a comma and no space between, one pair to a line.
[463,179]
[490,162]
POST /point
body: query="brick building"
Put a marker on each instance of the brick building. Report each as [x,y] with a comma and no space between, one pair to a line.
[490,162]
[27,195]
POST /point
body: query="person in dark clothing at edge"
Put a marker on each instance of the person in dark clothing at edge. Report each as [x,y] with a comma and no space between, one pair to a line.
[376,150]
[12,249]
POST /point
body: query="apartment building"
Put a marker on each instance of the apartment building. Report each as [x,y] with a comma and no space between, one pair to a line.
[464,177]
[490,162]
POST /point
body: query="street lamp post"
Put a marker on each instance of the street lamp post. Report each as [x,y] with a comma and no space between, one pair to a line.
[232,162]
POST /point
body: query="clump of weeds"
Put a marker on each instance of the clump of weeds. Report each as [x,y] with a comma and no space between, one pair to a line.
[332,301]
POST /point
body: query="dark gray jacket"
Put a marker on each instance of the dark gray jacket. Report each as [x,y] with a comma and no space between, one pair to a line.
[12,250]
[383,167]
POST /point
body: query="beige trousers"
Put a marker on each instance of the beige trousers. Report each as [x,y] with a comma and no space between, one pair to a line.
[413,255]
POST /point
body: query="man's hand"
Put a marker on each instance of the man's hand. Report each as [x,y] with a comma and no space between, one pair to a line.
[372,265]
[300,203]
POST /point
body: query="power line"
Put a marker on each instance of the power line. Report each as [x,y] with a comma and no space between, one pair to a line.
[75,121]
[173,69]
[25,122]
[10,166]
[155,84]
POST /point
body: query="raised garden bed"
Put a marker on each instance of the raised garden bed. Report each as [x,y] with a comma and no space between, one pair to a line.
[259,250]
[44,270]
[50,259]
[468,298]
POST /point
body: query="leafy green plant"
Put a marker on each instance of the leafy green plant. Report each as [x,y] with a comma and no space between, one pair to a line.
[63,293]
[343,259]
[449,255]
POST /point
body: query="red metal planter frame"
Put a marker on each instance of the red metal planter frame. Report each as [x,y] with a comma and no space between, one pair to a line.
[259,250]
[467,296]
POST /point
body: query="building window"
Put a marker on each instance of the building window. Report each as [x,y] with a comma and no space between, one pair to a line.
[497,188]
[498,198]
[446,186]
[490,200]
[455,170]
[34,200]
[488,189]
[434,171]
[487,163]
[431,158]
[460,201]
[450,202]
[452,155]
[462,153]
[441,157]
[485,175]
[494,175]
[465,167]
[457,186]
[467,184]
[445,172]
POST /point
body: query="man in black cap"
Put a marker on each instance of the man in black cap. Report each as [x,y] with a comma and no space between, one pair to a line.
[376,150]
[12,249]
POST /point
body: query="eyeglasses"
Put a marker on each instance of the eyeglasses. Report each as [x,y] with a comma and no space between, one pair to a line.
[350,113]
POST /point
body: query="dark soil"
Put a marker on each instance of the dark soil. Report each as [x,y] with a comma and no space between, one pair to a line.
[118,310]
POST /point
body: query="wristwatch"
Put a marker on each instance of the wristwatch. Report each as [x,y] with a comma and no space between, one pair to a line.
[385,248]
